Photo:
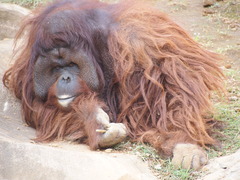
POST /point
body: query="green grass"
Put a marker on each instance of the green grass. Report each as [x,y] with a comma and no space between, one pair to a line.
[233,75]
[230,114]
[228,111]
[27,3]
[161,168]
[34,3]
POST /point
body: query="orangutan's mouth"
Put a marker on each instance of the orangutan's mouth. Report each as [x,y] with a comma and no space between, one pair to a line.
[65,100]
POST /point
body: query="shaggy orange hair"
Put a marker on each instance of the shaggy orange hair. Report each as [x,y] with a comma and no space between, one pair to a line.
[166,79]
[161,88]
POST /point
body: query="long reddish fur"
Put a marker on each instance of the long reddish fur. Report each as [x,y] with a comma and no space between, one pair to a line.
[164,80]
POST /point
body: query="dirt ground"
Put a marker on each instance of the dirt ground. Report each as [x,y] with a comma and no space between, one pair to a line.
[217,27]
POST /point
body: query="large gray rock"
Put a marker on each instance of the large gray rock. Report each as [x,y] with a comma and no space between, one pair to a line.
[6,47]
[21,158]
[40,162]
[223,168]
[10,17]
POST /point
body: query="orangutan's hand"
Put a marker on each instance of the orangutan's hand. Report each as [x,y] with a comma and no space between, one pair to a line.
[112,133]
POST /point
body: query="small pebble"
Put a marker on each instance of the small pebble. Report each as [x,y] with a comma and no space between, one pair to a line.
[228,66]
[109,150]
[207,3]
[233,98]
[208,11]
[158,167]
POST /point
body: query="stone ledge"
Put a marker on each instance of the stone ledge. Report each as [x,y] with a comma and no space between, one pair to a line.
[39,162]
[10,17]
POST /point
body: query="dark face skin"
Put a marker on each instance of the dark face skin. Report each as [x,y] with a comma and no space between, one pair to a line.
[65,69]
[73,54]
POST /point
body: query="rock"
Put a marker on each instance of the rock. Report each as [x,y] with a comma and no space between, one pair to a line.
[158,167]
[228,66]
[208,11]
[20,160]
[109,150]
[233,98]
[10,17]
[207,3]
[226,167]
[6,50]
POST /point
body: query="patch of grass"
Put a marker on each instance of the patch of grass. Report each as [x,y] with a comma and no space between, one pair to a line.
[161,168]
[35,3]
[233,75]
[229,113]
[27,3]
[168,172]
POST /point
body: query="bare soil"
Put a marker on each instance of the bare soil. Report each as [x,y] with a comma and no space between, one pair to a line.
[217,27]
